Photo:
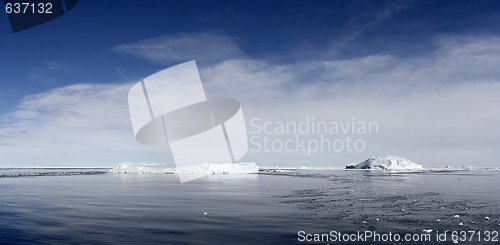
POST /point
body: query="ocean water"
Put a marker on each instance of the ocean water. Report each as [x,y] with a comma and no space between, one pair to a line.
[267,208]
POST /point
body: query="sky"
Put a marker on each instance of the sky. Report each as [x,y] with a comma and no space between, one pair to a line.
[425,72]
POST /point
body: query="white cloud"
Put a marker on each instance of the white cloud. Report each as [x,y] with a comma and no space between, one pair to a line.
[77,125]
[435,108]
[440,107]
[207,46]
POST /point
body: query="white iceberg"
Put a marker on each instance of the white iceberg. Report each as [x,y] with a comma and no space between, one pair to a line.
[389,162]
[203,168]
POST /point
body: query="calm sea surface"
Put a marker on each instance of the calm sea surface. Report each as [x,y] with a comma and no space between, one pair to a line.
[240,209]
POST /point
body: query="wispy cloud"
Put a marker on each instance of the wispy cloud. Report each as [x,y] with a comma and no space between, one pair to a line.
[45,73]
[368,19]
[207,46]
[438,107]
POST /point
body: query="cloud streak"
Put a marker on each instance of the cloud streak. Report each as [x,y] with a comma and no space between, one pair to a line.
[207,46]
[367,20]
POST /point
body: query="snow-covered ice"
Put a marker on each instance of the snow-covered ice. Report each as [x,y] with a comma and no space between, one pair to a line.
[149,168]
[389,162]
[203,168]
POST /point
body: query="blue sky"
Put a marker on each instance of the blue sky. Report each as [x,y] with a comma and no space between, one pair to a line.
[425,70]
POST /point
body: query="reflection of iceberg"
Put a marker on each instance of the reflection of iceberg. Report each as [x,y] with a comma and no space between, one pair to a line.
[389,162]
[220,168]
[203,168]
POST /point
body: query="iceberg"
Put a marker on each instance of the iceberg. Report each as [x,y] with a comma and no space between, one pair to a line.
[203,168]
[389,162]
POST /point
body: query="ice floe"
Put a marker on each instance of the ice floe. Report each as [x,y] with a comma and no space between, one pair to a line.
[148,168]
[203,168]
